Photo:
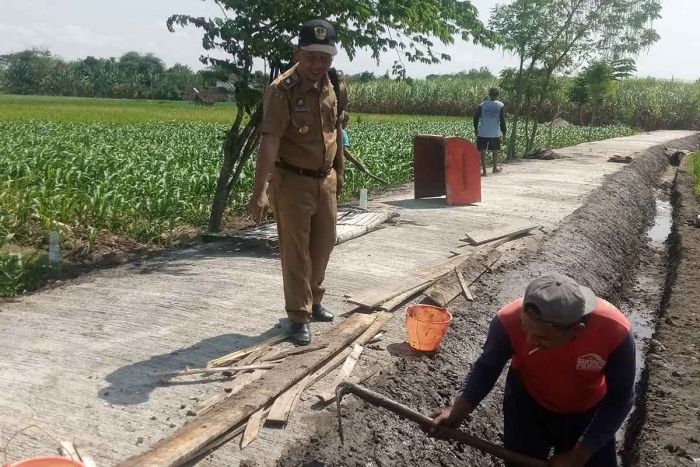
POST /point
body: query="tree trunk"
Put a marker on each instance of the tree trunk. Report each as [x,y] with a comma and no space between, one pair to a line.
[543,93]
[239,145]
[518,103]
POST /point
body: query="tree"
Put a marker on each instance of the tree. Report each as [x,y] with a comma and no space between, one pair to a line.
[596,84]
[556,34]
[24,72]
[264,30]
[600,80]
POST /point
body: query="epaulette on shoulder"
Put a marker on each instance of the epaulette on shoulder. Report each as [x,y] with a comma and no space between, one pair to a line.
[290,81]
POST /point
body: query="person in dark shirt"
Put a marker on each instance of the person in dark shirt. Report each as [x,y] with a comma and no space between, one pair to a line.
[571,379]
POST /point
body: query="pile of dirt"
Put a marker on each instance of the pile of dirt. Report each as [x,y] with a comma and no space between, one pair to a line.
[597,245]
[670,426]
[545,154]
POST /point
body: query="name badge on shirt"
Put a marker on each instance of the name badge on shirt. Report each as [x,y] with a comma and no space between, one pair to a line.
[301,106]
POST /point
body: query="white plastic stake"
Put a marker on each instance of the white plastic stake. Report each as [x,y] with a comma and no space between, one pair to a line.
[54,248]
[363,198]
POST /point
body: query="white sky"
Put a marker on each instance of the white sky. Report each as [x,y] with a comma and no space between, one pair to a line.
[102,28]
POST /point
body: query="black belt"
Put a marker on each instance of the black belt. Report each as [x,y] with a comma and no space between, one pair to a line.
[321,173]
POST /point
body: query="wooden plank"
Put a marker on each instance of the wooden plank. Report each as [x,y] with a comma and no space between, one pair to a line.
[188,441]
[67,449]
[373,297]
[288,401]
[225,438]
[399,299]
[382,318]
[239,383]
[376,338]
[465,288]
[242,379]
[288,353]
[219,369]
[477,237]
[448,288]
[345,371]
[233,356]
[282,407]
[356,380]
[252,427]
[349,232]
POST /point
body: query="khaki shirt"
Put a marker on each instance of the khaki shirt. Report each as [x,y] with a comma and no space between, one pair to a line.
[304,116]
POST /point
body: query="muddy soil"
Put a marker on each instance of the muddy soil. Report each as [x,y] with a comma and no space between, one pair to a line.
[669,429]
[599,245]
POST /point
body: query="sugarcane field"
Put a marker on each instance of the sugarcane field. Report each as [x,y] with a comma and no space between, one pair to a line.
[366,233]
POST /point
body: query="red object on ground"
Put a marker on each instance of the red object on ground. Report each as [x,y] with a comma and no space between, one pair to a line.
[446,166]
[47,461]
[426,326]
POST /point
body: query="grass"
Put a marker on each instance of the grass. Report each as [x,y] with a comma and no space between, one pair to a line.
[695,164]
[110,171]
[88,110]
[649,103]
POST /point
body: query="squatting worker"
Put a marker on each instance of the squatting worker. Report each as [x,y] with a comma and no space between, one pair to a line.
[299,150]
[571,379]
[489,125]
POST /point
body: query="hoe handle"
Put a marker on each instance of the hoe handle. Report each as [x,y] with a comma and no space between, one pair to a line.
[442,432]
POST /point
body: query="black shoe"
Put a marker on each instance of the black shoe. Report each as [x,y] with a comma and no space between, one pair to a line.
[319,313]
[299,333]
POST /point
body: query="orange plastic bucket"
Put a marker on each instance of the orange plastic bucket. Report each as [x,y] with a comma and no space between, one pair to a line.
[48,461]
[426,326]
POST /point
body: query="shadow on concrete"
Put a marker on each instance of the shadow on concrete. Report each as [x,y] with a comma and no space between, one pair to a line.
[425,203]
[177,262]
[133,384]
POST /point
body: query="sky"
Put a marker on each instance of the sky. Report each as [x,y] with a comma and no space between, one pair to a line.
[75,29]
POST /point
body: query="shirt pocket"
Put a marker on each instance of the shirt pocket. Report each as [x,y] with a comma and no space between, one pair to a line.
[302,125]
[329,114]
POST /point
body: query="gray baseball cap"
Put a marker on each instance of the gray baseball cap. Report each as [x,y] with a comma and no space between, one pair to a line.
[559,299]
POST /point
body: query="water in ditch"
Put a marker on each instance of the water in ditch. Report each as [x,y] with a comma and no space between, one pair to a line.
[643,300]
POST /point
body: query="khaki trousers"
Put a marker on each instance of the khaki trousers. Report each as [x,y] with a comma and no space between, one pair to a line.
[305,209]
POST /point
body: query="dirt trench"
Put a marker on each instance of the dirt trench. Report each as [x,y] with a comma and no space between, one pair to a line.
[667,427]
[600,245]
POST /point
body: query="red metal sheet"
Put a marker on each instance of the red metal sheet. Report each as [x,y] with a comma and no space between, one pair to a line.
[462,172]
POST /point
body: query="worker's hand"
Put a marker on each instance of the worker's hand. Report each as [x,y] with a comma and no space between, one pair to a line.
[576,457]
[450,417]
[340,177]
[258,207]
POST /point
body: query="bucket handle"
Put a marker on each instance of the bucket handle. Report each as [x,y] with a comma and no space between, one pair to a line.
[26,428]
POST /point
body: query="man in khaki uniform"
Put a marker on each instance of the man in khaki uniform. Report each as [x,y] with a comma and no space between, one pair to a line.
[299,148]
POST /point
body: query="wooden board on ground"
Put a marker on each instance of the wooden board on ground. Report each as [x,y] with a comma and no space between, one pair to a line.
[345,371]
[239,383]
[479,236]
[399,299]
[463,283]
[240,353]
[351,223]
[282,407]
[188,441]
[288,400]
[225,438]
[219,369]
[296,351]
[448,288]
[241,380]
[372,298]
[252,427]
